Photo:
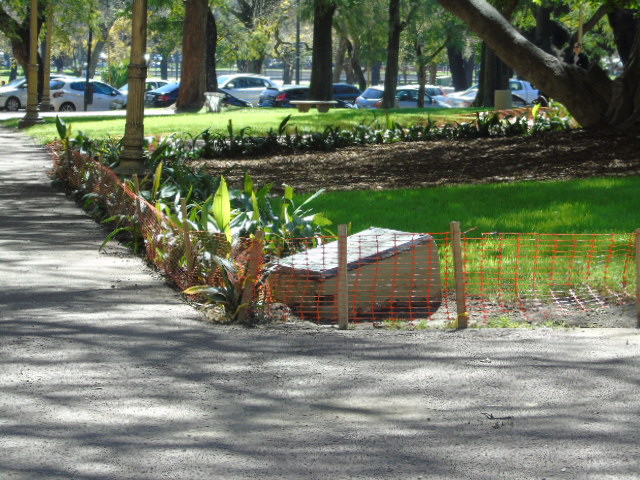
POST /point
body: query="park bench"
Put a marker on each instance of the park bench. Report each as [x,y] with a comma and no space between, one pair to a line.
[323,106]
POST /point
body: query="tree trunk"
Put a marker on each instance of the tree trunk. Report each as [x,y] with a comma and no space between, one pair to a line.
[212,44]
[625,29]
[393,52]
[320,87]
[341,54]
[461,69]
[614,103]
[95,56]
[194,44]
[164,67]
[356,67]
[375,73]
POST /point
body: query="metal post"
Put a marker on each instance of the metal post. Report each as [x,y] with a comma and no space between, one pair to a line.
[31,116]
[88,96]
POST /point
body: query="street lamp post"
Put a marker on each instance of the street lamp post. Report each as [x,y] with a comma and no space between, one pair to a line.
[132,156]
[45,104]
[31,116]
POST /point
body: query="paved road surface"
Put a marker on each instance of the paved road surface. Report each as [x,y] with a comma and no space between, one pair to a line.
[106,374]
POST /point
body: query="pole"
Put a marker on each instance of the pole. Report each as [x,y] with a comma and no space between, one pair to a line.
[132,157]
[638,277]
[88,97]
[298,43]
[31,116]
[343,278]
[458,263]
[45,104]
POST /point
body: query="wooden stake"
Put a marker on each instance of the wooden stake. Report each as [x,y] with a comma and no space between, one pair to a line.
[343,278]
[638,278]
[458,263]
[186,232]
[255,256]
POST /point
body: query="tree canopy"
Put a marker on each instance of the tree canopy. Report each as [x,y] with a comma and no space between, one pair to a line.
[590,95]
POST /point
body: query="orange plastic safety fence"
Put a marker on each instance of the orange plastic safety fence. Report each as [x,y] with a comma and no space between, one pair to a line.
[390,275]
[540,277]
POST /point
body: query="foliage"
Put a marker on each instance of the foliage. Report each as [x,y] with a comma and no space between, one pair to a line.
[116,74]
[228,293]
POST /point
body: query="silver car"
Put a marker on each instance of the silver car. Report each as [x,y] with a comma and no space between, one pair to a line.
[245,86]
[406,97]
[68,95]
[15,95]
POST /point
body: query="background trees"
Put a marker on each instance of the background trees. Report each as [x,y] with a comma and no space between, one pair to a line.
[591,96]
[352,39]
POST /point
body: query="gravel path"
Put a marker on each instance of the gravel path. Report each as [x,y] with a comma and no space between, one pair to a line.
[106,374]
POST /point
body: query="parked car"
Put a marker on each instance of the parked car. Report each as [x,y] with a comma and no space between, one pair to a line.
[15,95]
[149,84]
[523,93]
[245,86]
[406,97]
[345,92]
[164,96]
[281,96]
[434,91]
[68,95]
[231,100]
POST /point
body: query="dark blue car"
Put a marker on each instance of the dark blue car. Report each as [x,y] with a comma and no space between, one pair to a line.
[164,96]
[282,96]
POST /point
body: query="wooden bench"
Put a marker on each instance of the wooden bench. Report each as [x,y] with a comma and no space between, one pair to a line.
[323,106]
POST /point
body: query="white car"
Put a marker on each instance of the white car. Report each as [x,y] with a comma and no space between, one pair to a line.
[67,95]
[245,86]
[15,95]
[406,97]
[523,93]
[434,91]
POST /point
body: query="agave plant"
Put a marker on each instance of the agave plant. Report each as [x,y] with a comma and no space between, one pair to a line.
[228,293]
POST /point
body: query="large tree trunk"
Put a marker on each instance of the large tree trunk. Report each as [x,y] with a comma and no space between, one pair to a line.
[393,51]
[320,87]
[624,26]
[212,44]
[194,45]
[494,75]
[341,54]
[591,97]
[356,68]
[461,69]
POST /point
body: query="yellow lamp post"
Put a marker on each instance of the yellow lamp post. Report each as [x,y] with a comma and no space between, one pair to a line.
[132,157]
[31,116]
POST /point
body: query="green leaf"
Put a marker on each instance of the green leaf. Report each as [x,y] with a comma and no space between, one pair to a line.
[61,126]
[248,183]
[283,124]
[157,178]
[222,209]
[322,221]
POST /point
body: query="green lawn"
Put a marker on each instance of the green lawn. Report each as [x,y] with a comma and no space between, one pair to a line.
[258,120]
[580,206]
[597,205]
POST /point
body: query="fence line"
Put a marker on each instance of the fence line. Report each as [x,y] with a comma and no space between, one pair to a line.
[388,275]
